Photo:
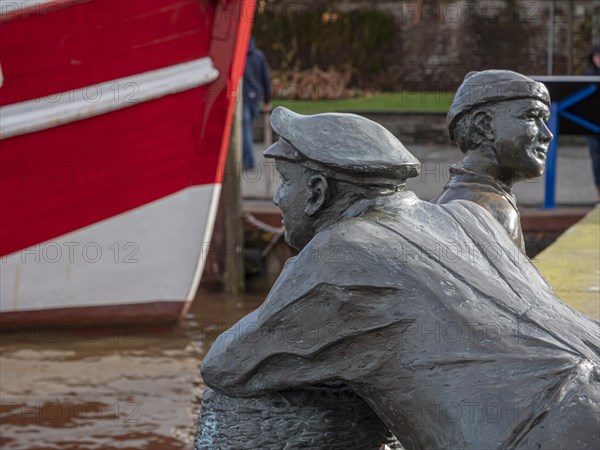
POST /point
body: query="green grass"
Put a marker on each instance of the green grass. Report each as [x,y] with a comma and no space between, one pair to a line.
[571,265]
[387,102]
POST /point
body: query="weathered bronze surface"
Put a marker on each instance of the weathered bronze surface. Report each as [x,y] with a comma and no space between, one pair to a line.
[429,312]
[498,119]
[322,417]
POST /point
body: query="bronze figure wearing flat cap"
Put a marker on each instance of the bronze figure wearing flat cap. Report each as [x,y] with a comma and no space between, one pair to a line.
[498,119]
[429,312]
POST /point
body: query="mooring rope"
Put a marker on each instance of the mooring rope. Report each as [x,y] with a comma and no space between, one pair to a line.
[261,225]
[265,227]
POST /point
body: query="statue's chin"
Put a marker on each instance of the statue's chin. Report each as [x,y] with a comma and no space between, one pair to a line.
[296,241]
[535,170]
[289,239]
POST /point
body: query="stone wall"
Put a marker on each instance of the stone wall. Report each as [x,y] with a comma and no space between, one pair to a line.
[437,42]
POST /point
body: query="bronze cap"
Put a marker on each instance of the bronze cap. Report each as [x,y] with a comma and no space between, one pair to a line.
[346,144]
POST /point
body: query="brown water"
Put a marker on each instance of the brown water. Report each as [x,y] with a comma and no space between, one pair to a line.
[62,389]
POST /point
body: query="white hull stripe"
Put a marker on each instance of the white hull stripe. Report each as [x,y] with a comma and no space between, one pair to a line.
[152,253]
[11,6]
[78,104]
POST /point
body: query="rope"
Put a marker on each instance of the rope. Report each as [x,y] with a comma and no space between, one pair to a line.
[265,227]
[248,217]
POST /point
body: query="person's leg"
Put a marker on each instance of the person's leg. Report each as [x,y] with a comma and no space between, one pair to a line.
[594,142]
[248,135]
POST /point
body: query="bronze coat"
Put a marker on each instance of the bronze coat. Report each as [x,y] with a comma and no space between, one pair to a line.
[436,319]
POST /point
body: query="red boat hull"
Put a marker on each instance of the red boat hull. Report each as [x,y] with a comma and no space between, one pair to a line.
[115,120]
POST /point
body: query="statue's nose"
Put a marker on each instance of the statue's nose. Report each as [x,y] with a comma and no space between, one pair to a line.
[545,133]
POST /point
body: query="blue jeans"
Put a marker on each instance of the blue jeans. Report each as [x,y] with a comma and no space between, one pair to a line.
[250,111]
[594,143]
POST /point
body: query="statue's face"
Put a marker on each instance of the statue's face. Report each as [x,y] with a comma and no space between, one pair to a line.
[521,137]
[292,197]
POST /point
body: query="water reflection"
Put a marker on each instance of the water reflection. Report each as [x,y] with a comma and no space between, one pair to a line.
[107,389]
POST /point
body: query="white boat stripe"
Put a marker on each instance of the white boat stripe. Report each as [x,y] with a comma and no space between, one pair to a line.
[78,104]
[10,6]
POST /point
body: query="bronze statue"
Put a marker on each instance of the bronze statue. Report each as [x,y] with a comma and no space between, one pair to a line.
[429,312]
[498,119]
[325,417]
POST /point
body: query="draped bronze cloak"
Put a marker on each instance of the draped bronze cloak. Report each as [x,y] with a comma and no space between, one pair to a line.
[433,316]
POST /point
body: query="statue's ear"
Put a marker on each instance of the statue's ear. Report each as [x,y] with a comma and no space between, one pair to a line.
[484,124]
[317,188]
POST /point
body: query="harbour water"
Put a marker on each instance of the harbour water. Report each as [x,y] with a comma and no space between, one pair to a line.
[74,389]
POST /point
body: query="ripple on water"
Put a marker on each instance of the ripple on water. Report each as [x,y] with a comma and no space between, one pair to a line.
[62,390]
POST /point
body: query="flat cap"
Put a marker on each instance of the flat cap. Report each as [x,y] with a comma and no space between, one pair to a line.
[346,146]
[489,86]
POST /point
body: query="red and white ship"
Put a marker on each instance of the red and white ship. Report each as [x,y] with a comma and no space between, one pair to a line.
[114,127]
